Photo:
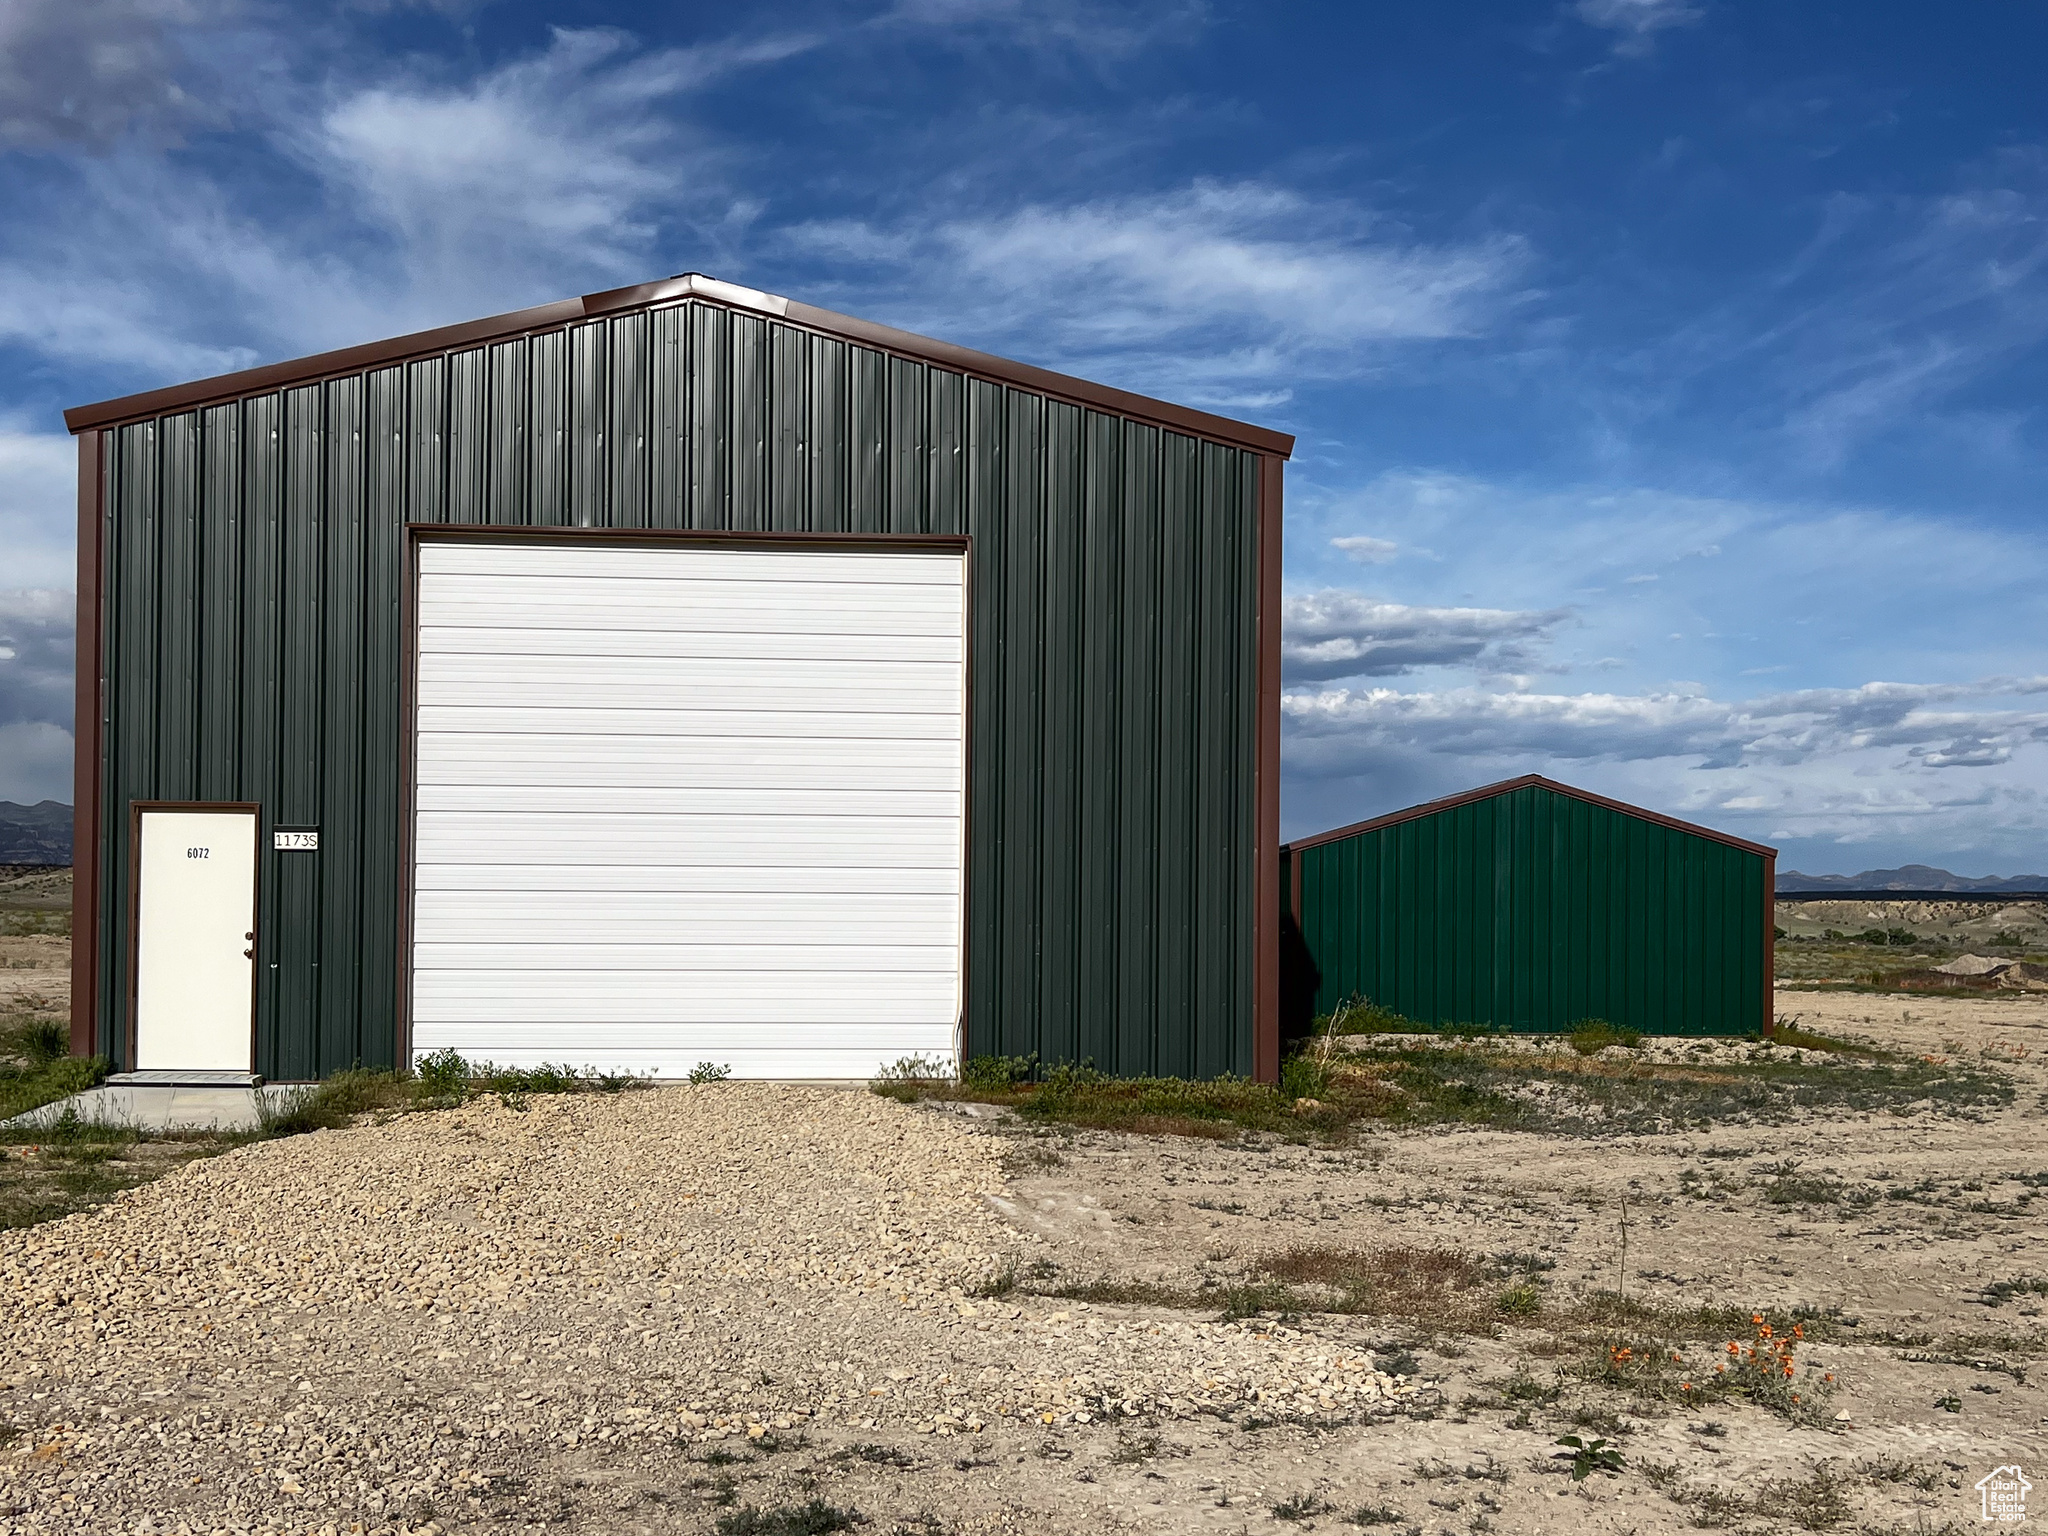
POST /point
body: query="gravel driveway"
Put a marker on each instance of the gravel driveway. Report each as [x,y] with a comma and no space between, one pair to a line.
[550,1317]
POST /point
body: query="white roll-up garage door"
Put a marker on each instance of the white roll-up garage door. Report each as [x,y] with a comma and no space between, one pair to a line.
[688,803]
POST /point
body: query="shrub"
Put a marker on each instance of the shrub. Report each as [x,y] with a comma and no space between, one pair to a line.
[328,1105]
[39,1042]
[706,1072]
[1303,1077]
[1362,1016]
[910,1078]
[443,1073]
[1591,1036]
[999,1071]
[817,1518]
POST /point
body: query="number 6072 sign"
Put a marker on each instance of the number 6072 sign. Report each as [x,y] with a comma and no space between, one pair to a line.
[283,841]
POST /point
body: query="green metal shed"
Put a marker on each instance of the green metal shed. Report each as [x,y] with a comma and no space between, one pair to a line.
[670,674]
[1530,905]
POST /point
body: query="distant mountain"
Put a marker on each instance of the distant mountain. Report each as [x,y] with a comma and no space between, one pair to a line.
[1910,877]
[35,834]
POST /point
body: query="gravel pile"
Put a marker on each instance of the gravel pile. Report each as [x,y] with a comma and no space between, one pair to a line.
[393,1325]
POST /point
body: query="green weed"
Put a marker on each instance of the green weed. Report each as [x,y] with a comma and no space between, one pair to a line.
[1302,1506]
[1590,1456]
[999,1071]
[816,1518]
[1589,1037]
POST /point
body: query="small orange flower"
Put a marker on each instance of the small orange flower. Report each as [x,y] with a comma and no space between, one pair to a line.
[1756,1317]
[1795,1397]
[1720,1369]
[1734,1349]
[1829,1377]
[1799,1330]
[1685,1386]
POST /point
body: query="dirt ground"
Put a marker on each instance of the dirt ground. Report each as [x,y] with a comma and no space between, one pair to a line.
[447,1340]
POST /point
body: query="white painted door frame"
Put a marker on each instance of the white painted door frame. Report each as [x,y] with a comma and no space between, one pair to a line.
[194,867]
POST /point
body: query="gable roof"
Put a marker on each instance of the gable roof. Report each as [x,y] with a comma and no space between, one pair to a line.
[1508,786]
[688,286]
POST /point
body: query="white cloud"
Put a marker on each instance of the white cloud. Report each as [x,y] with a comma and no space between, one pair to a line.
[1333,634]
[1088,30]
[1339,730]
[401,202]
[1218,292]
[38,505]
[35,762]
[1636,23]
[567,160]
[1365,549]
[89,72]
[36,631]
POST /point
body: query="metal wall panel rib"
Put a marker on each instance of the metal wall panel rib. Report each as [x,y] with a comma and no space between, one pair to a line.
[507,448]
[867,441]
[426,430]
[295,950]
[1098,698]
[631,411]
[255,570]
[262,542]
[547,457]
[788,398]
[177,609]
[1175,955]
[946,456]
[468,391]
[908,451]
[830,485]
[709,376]
[989,1028]
[1137,842]
[589,415]
[383,651]
[1059,662]
[1531,910]
[343,737]
[1020,679]
[668,445]
[746,472]
[130,769]
[220,604]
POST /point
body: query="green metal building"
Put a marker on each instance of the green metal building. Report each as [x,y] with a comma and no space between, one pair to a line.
[1531,905]
[675,674]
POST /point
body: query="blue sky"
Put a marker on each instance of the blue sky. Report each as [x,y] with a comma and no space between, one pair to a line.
[1667,374]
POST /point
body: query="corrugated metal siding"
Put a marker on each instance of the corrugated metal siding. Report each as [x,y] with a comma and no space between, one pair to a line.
[1531,910]
[254,575]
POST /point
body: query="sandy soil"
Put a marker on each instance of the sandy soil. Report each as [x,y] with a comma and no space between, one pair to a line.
[1914,1274]
[35,973]
[578,1386]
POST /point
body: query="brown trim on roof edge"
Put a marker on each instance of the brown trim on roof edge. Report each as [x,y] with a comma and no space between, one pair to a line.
[1266,784]
[1487,792]
[85,756]
[688,286]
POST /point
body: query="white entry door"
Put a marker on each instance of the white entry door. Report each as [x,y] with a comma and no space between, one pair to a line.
[195,937]
[682,803]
